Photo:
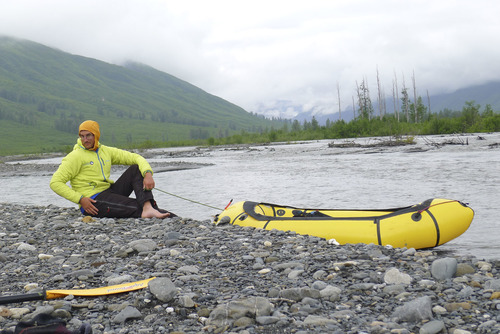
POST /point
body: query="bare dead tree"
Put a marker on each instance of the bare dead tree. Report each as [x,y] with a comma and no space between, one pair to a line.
[384,103]
[379,97]
[414,97]
[396,101]
[338,95]
[358,91]
[429,101]
[353,108]
[406,102]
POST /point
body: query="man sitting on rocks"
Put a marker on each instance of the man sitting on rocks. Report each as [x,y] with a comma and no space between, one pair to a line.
[88,169]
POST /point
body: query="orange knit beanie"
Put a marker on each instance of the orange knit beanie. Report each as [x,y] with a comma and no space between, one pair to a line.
[92,127]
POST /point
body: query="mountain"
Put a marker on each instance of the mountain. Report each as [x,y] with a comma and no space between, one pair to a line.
[46,93]
[488,93]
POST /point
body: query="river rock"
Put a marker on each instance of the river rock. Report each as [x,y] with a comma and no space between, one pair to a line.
[432,327]
[128,313]
[24,247]
[445,268]
[464,269]
[331,293]
[250,307]
[415,310]
[143,245]
[493,284]
[163,289]
[315,320]
[394,276]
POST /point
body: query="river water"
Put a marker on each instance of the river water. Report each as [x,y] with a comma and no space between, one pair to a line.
[315,175]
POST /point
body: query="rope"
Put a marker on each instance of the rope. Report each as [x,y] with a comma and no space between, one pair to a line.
[189,200]
[430,206]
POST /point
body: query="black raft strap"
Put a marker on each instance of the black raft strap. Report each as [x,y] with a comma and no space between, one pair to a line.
[379,235]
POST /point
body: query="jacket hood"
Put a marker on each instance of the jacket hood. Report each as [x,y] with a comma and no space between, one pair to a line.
[92,127]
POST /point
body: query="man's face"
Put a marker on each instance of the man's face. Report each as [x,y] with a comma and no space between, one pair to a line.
[87,138]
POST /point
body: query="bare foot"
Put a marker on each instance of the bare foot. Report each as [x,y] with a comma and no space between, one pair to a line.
[149,212]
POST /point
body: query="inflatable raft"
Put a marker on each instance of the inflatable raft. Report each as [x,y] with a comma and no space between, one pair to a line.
[428,224]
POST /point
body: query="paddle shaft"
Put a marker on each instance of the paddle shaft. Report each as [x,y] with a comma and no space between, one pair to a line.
[22,298]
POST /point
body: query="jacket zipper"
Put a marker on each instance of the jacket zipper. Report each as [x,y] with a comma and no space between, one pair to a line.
[101,163]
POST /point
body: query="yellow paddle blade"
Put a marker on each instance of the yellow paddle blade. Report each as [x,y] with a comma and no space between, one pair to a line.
[107,290]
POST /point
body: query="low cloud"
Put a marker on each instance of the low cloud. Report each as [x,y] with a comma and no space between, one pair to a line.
[258,54]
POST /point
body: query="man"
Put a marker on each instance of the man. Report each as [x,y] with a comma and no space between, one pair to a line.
[88,169]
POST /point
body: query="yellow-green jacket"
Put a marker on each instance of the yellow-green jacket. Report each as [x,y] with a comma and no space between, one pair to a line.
[88,171]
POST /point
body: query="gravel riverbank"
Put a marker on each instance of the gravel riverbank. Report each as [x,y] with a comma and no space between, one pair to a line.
[229,279]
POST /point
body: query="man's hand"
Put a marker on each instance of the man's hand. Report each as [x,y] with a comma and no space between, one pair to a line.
[148,183]
[87,204]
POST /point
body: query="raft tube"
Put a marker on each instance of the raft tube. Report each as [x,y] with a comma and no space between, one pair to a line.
[425,225]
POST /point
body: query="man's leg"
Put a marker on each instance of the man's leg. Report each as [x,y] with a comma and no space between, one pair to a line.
[132,181]
[114,205]
[117,203]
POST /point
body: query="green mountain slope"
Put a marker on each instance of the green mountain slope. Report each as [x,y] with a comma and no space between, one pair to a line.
[46,93]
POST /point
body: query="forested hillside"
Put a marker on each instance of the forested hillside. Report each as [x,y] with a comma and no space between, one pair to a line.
[45,93]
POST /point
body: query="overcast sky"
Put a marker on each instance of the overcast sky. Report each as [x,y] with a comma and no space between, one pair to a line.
[255,53]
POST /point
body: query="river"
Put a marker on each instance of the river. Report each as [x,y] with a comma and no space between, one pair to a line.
[357,174]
